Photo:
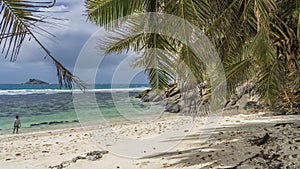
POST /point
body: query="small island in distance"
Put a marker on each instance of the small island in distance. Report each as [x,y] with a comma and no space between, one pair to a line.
[35,81]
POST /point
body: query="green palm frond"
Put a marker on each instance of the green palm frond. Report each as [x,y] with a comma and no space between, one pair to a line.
[254,38]
[156,51]
[219,18]
[20,19]
[130,36]
[158,64]
[288,8]
[193,63]
[238,72]
[230,24]
[268,83]
[262,48]
[157,61]
[120,45]
[193,11]
[17,21]
[263,10]
[104,12]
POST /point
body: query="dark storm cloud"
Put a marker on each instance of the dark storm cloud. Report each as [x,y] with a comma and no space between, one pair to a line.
[70,37]
[68,48]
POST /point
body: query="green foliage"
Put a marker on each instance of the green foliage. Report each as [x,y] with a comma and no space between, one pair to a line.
[111,10]
[257,40]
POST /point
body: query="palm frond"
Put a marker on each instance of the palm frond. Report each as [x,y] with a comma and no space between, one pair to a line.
[16,23]
[104,12]
[156,51]
[193,62]
[238,72]
[270,74]
[263,10]
[157,61]
[262,48]
[268,83]
[19,20]
[193,11]
[230,24]
[130,36]
[288,8]
[246,33]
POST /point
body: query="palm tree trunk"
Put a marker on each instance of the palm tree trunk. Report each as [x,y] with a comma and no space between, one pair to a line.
[257,15]
[298,29]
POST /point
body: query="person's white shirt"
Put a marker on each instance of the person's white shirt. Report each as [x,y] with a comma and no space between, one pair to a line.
[17,123]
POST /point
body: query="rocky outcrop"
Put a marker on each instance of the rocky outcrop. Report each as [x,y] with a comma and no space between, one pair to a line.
[35,81]
[245,98]
[172,99]
[169,98]
[144,95]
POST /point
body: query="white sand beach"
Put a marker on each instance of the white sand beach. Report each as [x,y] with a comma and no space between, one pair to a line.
[237,142]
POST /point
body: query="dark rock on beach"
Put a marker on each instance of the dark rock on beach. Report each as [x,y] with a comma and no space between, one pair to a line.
[169,98]
[252,105]
[53,123]
[172,107]
[151,96]
[143,94]
[43,123]
[32,125]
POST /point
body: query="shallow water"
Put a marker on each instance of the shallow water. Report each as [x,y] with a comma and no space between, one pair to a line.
[45,107]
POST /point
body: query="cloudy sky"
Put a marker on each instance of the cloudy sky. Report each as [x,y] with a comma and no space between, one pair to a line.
[75,41]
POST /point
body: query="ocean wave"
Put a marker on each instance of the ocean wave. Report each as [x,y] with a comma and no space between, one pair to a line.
[55,91]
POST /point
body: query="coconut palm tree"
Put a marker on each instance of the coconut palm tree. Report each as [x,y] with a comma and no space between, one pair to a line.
[257,40]
[21,20]
[271,54]
[158,65]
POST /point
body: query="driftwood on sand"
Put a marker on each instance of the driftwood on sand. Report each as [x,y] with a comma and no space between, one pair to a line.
[91,156]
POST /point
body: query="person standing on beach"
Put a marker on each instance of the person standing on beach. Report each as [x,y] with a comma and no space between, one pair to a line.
[17,125]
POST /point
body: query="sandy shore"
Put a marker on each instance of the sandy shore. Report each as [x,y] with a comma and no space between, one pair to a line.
[239,141]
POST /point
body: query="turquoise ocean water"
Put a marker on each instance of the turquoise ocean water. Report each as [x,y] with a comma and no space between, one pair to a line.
[46,107]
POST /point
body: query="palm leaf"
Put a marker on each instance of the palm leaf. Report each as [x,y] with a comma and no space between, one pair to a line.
[245,33]
[193,11]
[130,36]
[263,9]
[230,24]
[157,61]
[156,51]
[288,8]
[104,12]
[262,48]
[238,72]
[268,84]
